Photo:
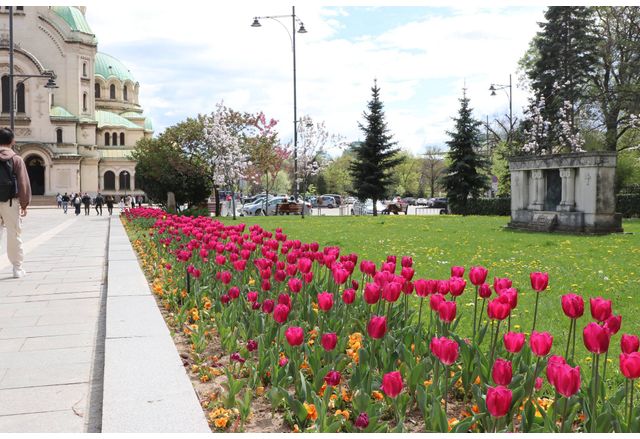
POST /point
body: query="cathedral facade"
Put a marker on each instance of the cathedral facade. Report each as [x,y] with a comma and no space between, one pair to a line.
[78,136]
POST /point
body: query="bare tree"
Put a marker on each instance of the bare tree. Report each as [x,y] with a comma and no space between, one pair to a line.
[433,167]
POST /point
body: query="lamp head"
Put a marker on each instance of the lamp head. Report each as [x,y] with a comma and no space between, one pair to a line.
[302,30]
[256,23]
[51,83]
[493,92]
[492,89]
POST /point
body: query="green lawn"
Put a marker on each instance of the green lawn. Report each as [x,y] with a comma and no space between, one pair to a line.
[587,265]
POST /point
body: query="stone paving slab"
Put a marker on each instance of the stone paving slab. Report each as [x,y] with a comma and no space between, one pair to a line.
[56,342]
[47,375]
[43,399]
[60,421]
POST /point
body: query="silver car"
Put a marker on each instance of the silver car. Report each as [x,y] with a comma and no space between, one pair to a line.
[260,207]
[366,208]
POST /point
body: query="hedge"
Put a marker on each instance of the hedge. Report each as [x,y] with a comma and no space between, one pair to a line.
[626,204]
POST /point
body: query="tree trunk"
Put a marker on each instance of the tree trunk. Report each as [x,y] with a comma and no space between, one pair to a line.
[217,198]
[611,123]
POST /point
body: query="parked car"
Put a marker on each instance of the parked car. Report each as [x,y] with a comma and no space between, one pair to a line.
[421,202]
[437,202]
[350,200]
[261,207]
[324,201]
[366,208]
[409,200]
[336,197]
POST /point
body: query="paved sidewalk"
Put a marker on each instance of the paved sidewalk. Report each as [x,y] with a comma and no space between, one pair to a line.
[54,374]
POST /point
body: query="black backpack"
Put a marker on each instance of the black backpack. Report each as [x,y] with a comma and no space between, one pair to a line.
[8,181]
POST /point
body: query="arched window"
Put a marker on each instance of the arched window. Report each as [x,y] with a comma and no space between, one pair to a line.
[107,137]
[112,91]
[125,180]
[5,94]
[20,100]
[114,139]
[84,69]
[59,135]
[109,181]
[121,138]
[124,93]
[97,90]
[84,102]
[19,8]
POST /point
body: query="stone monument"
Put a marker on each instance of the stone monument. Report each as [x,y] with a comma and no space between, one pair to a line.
[564,192]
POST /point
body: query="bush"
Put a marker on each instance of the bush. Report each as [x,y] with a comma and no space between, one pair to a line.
[628,205]
[195,211]
[488,206]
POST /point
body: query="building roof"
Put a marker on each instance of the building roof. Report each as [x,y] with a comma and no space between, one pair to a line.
[132,115]
[148,126]
[61,113]
[109,119]
[74,18]
[108,67]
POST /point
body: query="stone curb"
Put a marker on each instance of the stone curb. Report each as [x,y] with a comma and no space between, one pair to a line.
[146,389]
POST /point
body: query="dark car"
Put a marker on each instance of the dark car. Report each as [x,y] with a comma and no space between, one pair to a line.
[409,200]
[438,202]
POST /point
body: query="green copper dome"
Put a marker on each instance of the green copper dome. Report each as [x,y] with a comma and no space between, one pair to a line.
[108,66]
[74,18]
[109,119]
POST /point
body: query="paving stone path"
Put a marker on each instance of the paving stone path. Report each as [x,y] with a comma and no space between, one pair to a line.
[53,326]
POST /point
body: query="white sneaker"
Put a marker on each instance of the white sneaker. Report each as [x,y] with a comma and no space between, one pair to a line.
[18,273]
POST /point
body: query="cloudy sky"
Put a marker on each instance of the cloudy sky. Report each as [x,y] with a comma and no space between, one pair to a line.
[188,56]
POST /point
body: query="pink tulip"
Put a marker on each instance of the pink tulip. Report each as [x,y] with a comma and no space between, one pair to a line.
[407,261]
[499,308]
[435,300]
[325,301]
[447,311]
[377,327]
[295,285]
[281,313]
[567,381]
[329,341]
[456,286]
[332,378]
[629,343]
[500,284]
[540,343]
[501,372]
[514,341]
[392,384]
[596,338]
[630,365]
[457,271]
[600,308]
[572,305]
[294,335]
[553,363]
[539,281]
[484,291]
[349,296]
[372,293]
[477,275]
[613,324]
[498,401]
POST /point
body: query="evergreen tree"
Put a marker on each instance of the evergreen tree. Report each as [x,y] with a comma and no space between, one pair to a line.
[376,156]
[464,175]
[564,58]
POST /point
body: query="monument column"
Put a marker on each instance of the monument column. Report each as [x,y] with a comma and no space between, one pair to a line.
[568,189]
[537,175]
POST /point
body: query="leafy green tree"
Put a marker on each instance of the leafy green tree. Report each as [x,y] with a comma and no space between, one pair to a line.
[376,157]
[465,174]
[407,174]
[337,175]
[163,166]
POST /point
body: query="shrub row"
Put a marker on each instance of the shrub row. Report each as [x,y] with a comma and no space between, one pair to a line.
[628,205]
[488,206]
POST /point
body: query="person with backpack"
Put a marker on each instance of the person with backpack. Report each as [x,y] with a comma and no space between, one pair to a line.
[65,202]
[59,200]
[15,196]
[110,201]
[99,203]
[77,201]
[86,200]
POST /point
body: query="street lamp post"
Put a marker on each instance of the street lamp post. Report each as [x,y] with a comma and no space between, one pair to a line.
[51,83]
[493,89]
[292,36]
[126,178]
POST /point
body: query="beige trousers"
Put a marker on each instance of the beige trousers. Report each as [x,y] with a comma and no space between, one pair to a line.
[10,218]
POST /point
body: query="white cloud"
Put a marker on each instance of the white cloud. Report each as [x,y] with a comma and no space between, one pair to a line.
[191,55]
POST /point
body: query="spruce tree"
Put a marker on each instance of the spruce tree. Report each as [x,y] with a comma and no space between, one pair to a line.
[376,156]
[464,175]
[564,61]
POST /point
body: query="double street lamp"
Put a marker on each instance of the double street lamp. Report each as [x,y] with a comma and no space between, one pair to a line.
[493,88]
[51,83]
[292,37]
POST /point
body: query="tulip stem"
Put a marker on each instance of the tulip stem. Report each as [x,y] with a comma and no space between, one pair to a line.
[481,311]
[573,347]
[595,393]
[420,315]
[475,315]
[604,375]
[446,387]
[566,354]
[564,415]
[630,407]
[494,343]
[535,312]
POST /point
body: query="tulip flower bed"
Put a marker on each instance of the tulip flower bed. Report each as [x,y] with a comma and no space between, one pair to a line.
[334,342]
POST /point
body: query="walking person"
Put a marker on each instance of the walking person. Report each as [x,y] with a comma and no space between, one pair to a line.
[110,200]
[15,196]
[139,200]
[133,202]
[77,201]
[121,204]
[86,200]
[65,202]
[59,200]
[99,203]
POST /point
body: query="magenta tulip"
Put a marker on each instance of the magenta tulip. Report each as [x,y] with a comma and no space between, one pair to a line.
[435,300]
[613,324]
[499,308]
[295,285]
[372,293]
[457,271]
[572,305]
[630,365]
[332,378]
[502,372]
[377,326]
[325,301]
[567,380]
[477,275]
[498,401]
[514,341]
[456,286]
[540,343]
[392,384]
[447,311]
[600,308]
[281,313]
[596,338]
[484,291]
[500,284]
[629,343]
[294,335]
[349,296]
[329,341]
[539,281]
[553,363]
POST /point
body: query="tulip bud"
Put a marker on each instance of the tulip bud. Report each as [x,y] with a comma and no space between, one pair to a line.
[447,311]
[325,301]
[539,281]
[600,308]
[252,296]
[572,305]
[484,291]
[499,308]
[332,378]
[349,296]
[456,286]
[613,324]
[500,284]
[435,300]
[295,285]
[406,261]
[362,421]
[252,345]
[371,293]
[553,363]
[538,383]
[420,285]
[267,306]
[630,365]
[567,381]
[392,384]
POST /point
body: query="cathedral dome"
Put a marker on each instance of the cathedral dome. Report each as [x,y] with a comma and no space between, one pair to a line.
[107,67]
[74,18]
